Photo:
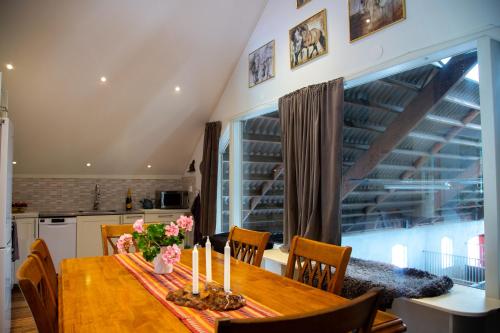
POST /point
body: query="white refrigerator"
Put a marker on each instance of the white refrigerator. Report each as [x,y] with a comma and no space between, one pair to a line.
[6,139]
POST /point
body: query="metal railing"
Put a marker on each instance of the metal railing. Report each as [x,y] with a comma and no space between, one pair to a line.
[462,270]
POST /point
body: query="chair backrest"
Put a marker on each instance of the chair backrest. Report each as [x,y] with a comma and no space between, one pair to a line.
[41,250]
[357,314]
[36,289]
[318,264]
[248,245]
[110,234]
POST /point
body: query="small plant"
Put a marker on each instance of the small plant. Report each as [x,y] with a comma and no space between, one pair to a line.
[150,238]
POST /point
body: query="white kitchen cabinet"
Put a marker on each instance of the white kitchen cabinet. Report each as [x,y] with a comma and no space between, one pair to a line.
[26,235]
[88,234]
[131,218]
[164,215]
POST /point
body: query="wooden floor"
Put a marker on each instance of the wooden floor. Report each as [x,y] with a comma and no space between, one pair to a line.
[21,318]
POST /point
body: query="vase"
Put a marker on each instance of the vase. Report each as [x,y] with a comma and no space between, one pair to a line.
[160,267]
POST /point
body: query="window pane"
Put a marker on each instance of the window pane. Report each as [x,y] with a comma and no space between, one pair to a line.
[262,172]
[225,189]
[412,161]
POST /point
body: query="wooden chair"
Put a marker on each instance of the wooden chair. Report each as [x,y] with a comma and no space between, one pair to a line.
[36,289]
[248,245]
[110,234]
[318,264]
[40,249]
[357,314]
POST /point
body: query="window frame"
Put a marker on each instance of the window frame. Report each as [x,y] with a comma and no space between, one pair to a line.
[490,113]
[224,142]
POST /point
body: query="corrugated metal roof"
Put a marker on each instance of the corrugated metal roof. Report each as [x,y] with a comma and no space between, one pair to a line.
[369,109]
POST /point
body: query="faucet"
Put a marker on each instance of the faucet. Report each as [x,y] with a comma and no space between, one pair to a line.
[97,197]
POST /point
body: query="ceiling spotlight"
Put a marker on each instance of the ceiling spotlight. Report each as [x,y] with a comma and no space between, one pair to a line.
[103,79]
[177,88]
[9,67]
[14,162]
[367,20]
[88,164]
[149,166]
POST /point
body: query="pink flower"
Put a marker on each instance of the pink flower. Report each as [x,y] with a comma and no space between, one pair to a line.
[172,254]
[172,229]
[139,226]
[185,222]
[124,243]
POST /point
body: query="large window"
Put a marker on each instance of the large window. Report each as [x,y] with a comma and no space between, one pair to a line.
[262,174]
[412,160]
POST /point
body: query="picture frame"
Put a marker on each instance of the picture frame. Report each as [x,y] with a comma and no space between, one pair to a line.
[308,39]
[261,64]
[367,17]
[301,3]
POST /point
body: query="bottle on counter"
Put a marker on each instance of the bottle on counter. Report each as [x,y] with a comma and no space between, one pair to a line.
[128,201]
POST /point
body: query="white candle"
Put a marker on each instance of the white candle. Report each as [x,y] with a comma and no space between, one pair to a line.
[227,268]
[208,260]
[195,271]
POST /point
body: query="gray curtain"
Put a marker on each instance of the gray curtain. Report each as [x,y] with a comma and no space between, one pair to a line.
[311,126]
[208,169]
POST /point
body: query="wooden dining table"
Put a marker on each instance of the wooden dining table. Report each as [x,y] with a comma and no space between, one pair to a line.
[98,294]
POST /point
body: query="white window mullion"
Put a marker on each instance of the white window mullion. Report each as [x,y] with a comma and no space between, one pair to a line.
[489,78]
[235,173]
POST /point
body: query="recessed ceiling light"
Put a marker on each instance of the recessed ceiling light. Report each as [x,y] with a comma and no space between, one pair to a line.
[88,164]
[149,166]
[177,88]
[14,162]
[367,20]
[103,79]
[9,67]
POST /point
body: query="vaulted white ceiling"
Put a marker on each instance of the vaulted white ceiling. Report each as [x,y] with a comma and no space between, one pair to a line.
[65,117]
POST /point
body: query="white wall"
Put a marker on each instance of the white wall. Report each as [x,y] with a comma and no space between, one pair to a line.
[429,23]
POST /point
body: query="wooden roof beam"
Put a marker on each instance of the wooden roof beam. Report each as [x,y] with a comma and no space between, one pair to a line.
[266,186]
[406,121]
[419,164]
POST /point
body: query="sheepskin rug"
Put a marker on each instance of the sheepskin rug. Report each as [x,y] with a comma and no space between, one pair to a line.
[361,275]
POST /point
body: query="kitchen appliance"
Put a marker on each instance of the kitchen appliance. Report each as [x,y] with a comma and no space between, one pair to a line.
[147,203]
[60,235]
[172,199]
[6,139]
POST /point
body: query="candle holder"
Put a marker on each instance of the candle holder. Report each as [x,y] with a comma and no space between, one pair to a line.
[213,297]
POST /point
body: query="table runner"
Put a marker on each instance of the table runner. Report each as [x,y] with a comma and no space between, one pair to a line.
[198,321]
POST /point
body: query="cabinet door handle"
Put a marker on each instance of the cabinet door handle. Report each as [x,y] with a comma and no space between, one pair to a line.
[133,216]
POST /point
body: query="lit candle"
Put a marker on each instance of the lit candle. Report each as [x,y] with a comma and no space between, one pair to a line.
[195,270]
[227,268]
[208,260]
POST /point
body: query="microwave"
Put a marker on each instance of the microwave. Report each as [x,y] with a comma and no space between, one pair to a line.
[172,199]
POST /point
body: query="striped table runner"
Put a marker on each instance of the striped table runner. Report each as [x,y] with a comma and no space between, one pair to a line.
[199,321]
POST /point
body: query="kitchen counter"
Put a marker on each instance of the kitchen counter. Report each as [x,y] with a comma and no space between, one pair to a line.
[25,215]
[75,213]
[107,212]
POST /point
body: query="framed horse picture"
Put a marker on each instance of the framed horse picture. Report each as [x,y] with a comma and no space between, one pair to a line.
[261,64]
[301,3]
[308,40]
[369,16]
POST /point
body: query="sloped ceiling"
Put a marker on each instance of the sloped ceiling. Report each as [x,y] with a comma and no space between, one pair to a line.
[65,117]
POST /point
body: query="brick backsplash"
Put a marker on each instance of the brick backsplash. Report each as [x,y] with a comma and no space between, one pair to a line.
[66,194]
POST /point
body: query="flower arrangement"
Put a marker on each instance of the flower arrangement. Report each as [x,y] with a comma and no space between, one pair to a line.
[151,239]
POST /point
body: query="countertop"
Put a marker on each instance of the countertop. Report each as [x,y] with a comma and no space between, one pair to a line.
[107,212]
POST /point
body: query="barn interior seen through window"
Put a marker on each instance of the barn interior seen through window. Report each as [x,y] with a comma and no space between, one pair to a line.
[412,170]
